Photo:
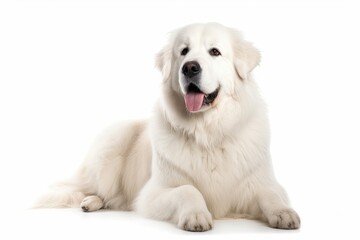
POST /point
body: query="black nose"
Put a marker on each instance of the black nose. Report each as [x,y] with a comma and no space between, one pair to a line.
[191,69]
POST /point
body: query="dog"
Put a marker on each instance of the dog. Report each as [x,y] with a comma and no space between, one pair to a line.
[203,155]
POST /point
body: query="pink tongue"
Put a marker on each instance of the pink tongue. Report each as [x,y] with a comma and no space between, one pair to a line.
[194,101]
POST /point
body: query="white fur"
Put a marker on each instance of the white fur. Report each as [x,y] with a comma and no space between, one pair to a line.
[210,164]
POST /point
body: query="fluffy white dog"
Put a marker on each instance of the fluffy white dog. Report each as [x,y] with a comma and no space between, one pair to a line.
[204,154]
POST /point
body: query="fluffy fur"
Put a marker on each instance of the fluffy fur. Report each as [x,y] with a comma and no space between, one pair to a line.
[189,168]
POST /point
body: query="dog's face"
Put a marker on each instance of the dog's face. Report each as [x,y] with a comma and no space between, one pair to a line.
[203,63]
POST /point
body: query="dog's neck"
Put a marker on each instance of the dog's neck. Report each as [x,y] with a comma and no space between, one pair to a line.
[213,127]
[205,129]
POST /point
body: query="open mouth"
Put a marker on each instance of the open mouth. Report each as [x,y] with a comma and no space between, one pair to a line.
[195,98]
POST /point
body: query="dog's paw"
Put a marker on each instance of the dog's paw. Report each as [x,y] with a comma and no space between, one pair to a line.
[196,221]
[91,203]
[284,219]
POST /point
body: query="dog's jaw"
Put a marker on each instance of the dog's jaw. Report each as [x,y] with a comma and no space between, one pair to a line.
[196,100]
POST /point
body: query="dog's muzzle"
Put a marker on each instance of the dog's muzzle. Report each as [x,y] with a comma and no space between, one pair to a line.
[195,98]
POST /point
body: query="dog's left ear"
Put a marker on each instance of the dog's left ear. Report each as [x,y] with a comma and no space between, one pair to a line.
[246,57]
[163,61]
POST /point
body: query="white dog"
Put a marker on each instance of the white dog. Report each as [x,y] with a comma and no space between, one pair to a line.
[204,154]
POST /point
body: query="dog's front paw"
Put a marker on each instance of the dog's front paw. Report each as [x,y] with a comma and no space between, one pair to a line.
[284,219]
[196,221]
[91,203]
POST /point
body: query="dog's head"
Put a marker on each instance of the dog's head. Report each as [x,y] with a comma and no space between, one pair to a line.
[203,62]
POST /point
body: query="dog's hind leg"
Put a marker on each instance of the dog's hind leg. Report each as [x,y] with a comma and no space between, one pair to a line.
[91,203]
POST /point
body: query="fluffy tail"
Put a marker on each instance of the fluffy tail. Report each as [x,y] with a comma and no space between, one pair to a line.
[64,195]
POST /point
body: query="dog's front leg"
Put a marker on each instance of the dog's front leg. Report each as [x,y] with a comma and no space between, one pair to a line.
[274,205]
[184,205]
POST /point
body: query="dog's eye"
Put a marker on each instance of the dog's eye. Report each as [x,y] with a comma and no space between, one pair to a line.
[214,52]
[184,51]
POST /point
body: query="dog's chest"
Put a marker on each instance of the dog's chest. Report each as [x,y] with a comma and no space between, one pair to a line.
[224,177]
[225,174]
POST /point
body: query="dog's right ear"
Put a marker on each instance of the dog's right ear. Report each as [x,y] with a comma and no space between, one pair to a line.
[163,61]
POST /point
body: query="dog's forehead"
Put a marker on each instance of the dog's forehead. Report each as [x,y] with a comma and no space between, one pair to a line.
[202,34]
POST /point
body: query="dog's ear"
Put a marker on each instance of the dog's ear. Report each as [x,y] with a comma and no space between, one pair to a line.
[163,61]
[246,56]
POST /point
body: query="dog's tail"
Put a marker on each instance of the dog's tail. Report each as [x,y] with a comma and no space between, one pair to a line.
[62,195]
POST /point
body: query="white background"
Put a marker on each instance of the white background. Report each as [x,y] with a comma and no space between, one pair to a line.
[70,68]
